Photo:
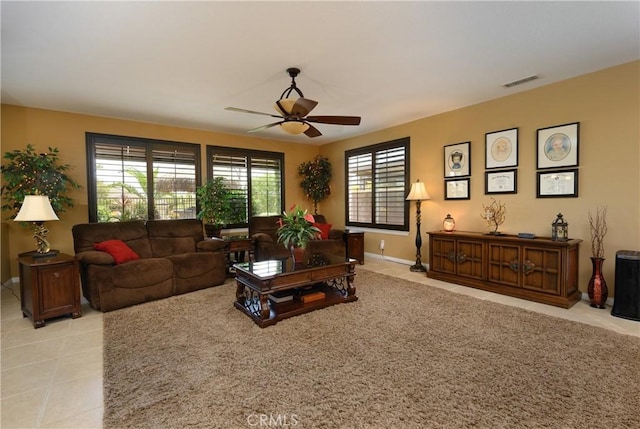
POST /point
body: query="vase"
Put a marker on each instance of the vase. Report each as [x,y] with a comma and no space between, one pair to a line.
[597,285]
[297,254]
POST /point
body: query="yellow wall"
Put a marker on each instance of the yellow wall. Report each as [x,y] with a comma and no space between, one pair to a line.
[66,131]
[607,105]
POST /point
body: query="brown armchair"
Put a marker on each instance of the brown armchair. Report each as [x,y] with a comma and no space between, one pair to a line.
[263,230]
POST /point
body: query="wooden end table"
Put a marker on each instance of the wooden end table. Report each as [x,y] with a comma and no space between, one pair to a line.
[49,287]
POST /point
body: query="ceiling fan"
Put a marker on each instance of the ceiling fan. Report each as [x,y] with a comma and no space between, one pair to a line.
[293,112]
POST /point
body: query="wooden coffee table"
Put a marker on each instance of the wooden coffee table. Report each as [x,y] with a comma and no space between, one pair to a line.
[332,275]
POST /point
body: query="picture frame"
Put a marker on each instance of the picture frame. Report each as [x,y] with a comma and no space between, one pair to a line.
[457,160]
[501,182]
[557,184]
[501,149]
[457,189]
[558,146]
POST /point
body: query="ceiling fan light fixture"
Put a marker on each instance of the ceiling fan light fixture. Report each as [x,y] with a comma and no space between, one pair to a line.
[287,104]
[294,127]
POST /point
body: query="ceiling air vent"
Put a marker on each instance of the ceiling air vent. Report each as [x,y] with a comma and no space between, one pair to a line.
[521,81]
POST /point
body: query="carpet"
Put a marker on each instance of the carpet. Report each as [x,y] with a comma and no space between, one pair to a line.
[405,355]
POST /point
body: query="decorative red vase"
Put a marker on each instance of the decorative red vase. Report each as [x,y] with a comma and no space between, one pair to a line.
[597,290]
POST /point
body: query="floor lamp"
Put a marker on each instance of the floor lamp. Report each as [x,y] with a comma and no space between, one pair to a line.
[418,194]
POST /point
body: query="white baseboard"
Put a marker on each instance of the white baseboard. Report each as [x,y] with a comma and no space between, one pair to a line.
[380,257]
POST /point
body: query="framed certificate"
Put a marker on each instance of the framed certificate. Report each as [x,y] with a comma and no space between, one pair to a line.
[501,149]
[501,182]
[456,189]
[557,184]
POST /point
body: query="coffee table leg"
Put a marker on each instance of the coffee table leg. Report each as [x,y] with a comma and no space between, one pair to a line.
[240,293]
[265,312]
[351,289]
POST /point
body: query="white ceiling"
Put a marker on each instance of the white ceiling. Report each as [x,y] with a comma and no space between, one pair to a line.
[182,63]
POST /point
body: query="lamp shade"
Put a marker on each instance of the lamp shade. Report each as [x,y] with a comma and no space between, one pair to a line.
[36,208]
[418,192]
[294,127]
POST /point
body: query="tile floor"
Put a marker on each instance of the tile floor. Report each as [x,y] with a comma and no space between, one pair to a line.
[52,376]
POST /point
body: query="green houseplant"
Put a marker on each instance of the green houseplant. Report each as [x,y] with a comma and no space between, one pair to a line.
[316,175]
[296,228]
[30,173]
[215,199]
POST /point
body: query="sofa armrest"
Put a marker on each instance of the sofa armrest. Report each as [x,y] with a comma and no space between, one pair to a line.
[211,245]
[336,234]
[95,257]
[262,237]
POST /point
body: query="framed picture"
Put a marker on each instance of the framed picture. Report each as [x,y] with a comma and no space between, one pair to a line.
[558,146]
[501,182]
[501,149]
[457,159]
[456,189]
[557,184]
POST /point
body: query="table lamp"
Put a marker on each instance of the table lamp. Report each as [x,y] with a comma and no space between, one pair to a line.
[37,209]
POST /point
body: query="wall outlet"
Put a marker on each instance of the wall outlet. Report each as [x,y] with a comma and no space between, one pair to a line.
[381,244]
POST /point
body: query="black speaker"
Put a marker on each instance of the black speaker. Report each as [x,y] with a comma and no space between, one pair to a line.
[626,303]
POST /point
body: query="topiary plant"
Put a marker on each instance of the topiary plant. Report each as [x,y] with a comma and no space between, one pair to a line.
[316,175]
[31,173]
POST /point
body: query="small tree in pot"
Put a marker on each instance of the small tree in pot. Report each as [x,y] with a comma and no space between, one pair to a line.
[316,175]
[216,210]
[30,173]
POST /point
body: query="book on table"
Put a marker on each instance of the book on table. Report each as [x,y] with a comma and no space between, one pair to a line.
[281,296]
[310,297]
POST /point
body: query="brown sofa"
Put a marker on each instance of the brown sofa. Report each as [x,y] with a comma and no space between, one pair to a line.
[174,258]
[263,230]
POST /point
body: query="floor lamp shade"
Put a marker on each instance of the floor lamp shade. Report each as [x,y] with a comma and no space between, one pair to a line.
[418,193]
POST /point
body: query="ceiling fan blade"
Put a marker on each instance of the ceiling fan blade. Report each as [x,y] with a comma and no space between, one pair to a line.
[335,120]
[264,127]
[303,106]
[312,131]
[235,109]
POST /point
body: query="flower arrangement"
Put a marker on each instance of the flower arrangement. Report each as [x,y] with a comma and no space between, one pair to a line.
[296,228]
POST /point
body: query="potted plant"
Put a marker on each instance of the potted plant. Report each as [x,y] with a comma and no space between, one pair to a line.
[296,229]
[216,209]
[316,175]
[31,173]
[597,288]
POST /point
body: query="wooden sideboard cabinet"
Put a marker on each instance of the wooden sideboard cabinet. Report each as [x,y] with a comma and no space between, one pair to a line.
[49,287]
[537,269]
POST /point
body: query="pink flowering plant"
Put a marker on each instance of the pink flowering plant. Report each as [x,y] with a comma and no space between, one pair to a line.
[296,228]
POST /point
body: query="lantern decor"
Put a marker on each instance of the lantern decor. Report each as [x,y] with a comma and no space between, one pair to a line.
[560,229]
[448,224]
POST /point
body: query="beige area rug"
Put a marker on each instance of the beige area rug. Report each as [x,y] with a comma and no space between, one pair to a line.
[404,356]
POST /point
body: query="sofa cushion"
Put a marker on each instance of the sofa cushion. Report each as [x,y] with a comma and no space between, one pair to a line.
[133,233]
[324,229]
[118,249]
[171,237]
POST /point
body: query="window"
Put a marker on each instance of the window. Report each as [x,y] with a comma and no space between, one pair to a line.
[131,178]
[377,182]
[255,177]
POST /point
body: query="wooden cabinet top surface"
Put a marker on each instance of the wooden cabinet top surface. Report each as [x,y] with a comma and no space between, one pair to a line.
[547,241]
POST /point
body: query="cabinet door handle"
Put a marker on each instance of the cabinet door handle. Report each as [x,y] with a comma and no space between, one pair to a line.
[451,256]
[56,274]
[514,265]
[528,266]
[461,257]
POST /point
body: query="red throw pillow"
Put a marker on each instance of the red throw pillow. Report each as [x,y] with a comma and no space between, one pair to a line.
[118,249]
[324,229]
